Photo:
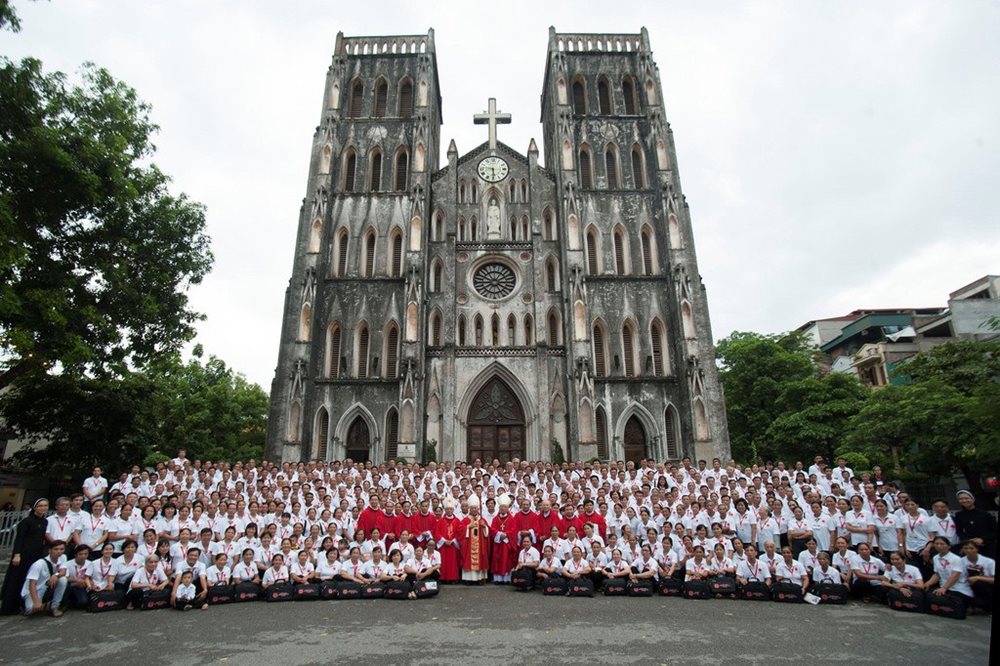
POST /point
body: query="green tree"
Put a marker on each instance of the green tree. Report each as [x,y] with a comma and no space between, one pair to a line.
[98,254]
[116,422]
[814,416]
[206,408]
[946,418]
[76,422]
[755,371]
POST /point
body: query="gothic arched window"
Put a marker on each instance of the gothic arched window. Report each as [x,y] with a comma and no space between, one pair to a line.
[405,99]
[381,93]
[579,97]
[357,99]
[604,96]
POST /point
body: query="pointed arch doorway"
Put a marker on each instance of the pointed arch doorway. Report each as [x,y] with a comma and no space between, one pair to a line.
[359,441]
[634,440]
[495,426]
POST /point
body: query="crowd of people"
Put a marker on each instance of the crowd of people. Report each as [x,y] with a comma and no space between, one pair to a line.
[191,534]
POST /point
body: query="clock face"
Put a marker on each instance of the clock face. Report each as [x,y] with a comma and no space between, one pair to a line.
[493,169]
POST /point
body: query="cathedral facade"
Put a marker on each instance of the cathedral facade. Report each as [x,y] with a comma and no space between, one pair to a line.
[481,306]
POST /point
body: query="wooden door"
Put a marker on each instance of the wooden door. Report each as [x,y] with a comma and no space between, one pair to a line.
[358,441]
[634,440]
[495,424]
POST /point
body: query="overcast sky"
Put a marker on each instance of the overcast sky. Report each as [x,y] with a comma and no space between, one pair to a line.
[835,155]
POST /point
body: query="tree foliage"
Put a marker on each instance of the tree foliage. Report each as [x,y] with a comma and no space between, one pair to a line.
[208,409]
[946,418]
[97,254]
[755,371]
[116,422]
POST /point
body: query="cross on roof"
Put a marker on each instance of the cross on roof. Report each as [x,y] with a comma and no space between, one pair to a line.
[492,118]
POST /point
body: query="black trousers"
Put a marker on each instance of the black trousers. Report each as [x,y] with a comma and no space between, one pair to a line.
[180,604]
[983,596]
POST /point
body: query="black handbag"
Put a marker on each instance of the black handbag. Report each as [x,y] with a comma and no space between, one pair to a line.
[523,578]
[372,590]
[155,600]
[671,587]
[580,587]
[426,588]
[644,587]
[246,592]
[722,587]
[554,585]
[615,587]
[949,604]
[221,594]
[349,590]
[755,590]
[105,600]
[278,592]
[306,592]
[697,589]
[831,593]
[787,593]
[397,589]
[329,589]
[915,603]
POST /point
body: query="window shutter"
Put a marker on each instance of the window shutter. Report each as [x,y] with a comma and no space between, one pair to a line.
[392,353]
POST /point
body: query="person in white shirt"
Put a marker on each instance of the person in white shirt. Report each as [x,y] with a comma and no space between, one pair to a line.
[825,573]
[45,584]
[246,570]
[558,545]
[645,566]
[77,582]
[980,571]
[185,595]
[867,572]
[101,571]
[276,574]
[302,570]
[94,528]
[902,576]
[942,522]
[374,568]
[753,570]
[549,565]
[915,534]
[94,487]
[843,560]
[194,564]
[218,573]
[126,565]
[859,523]
[790,571]
[352,570]
[886,530]
[61,525]
[148,579]
[577,566]
[696,567]
[528,556]
[950,574]
[328,568]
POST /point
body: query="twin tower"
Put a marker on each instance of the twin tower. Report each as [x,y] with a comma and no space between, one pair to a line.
[484,306]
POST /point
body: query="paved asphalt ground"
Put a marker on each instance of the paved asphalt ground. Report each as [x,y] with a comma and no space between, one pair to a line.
[497,625]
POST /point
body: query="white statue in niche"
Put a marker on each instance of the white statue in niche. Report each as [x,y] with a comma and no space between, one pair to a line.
[493,220]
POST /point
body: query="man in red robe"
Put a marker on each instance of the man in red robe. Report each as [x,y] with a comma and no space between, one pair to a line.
[526,524]
[422,524]
[448,533]
[371,516]
[594,518]
[475,545]
[544,522]
[504,553]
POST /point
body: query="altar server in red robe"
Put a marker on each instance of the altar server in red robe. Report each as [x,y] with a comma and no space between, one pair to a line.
[475,545]
[422,524]
[504,548]
[526,523]
[448,533]
[544,521]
